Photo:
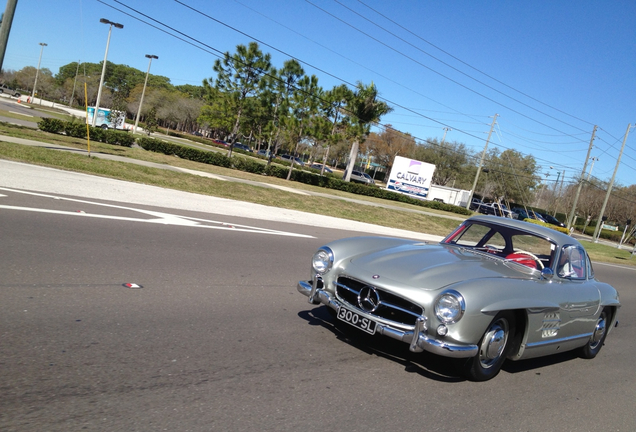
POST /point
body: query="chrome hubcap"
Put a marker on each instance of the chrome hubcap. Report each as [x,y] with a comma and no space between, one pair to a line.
[494,342]
[599,332]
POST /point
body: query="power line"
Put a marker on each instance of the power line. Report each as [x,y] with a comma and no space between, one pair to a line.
[470,66]
[436,72]
[214,51]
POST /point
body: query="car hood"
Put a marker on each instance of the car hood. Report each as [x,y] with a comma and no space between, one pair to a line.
[431,267]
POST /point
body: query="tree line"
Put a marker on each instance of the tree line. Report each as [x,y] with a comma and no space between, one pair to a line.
[284,110]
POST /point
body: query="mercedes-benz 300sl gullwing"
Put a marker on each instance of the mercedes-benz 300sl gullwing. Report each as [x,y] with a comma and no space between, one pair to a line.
[494,289]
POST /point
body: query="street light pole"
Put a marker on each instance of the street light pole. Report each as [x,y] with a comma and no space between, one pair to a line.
[594,159]
[446,129]
[37,72]
[556,206]
[101,80]
[547,174]
[150,57]
[481,162]
[74,82]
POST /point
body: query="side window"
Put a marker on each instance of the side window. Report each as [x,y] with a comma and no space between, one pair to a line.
[496,242]
[572,263]
[472,235]
[590,269]
[533,244]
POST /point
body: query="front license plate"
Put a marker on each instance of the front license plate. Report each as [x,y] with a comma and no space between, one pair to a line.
[350,317]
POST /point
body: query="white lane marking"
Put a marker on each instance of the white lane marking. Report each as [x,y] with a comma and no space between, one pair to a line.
[174,220]
[159,217]
[288,189]
[200,173]
[216,177]
[22,114]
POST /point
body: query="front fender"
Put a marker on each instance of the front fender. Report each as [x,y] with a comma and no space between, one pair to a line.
[486,297]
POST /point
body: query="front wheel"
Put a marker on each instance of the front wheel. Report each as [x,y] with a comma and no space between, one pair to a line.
[596,341]
[494,347]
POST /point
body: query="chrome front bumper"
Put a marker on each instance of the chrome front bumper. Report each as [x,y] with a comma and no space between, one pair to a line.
[417,338]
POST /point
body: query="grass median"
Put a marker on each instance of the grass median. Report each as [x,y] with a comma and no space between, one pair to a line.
[331,206]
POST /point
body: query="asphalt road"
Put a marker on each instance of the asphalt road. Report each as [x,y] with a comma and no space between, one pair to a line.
[11,104]
[210,333]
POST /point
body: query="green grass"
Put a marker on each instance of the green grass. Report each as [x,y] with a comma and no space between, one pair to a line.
[408,220]
[18,116]
[376,211]
[610,254]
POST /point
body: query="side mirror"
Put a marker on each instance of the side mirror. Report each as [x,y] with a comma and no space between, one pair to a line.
[547,273]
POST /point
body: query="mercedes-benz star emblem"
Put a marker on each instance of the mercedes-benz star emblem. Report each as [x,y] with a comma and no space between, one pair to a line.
[368,299]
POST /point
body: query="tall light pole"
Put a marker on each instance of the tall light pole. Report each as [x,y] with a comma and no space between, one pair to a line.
[594,159]
[149,56]
[554,191]
[446,129]
[74,82]
[481,162]
[547,174]
[556,205]
[101,80]
[37,72]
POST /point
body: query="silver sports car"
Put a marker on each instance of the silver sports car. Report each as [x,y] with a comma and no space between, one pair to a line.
[493,289]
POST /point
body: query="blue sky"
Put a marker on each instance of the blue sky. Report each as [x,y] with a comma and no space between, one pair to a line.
[551,70]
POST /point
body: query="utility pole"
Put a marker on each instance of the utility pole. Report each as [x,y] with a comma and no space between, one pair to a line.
[481,162]
[597,230]
[578,191]
[5,27]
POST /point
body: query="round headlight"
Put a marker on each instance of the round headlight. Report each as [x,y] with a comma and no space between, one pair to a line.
[450,307]
[322,260]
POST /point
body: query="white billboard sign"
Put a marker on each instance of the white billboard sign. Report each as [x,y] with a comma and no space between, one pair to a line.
[410,177]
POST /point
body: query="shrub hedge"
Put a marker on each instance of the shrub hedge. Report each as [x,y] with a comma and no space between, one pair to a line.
[614,236]
[78,130]
[189,153]
[307,177]
[554,227]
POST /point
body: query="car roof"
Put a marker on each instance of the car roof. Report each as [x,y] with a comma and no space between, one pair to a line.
[548,233]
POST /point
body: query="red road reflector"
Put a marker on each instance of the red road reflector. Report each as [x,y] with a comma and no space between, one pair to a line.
[132,285]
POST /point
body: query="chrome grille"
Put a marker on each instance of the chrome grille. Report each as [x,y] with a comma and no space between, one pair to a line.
[392,307]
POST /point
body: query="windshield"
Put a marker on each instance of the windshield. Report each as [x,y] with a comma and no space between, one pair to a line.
[505,242]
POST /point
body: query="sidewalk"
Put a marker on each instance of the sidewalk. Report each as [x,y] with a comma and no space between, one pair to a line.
[49,180]
[219,177]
